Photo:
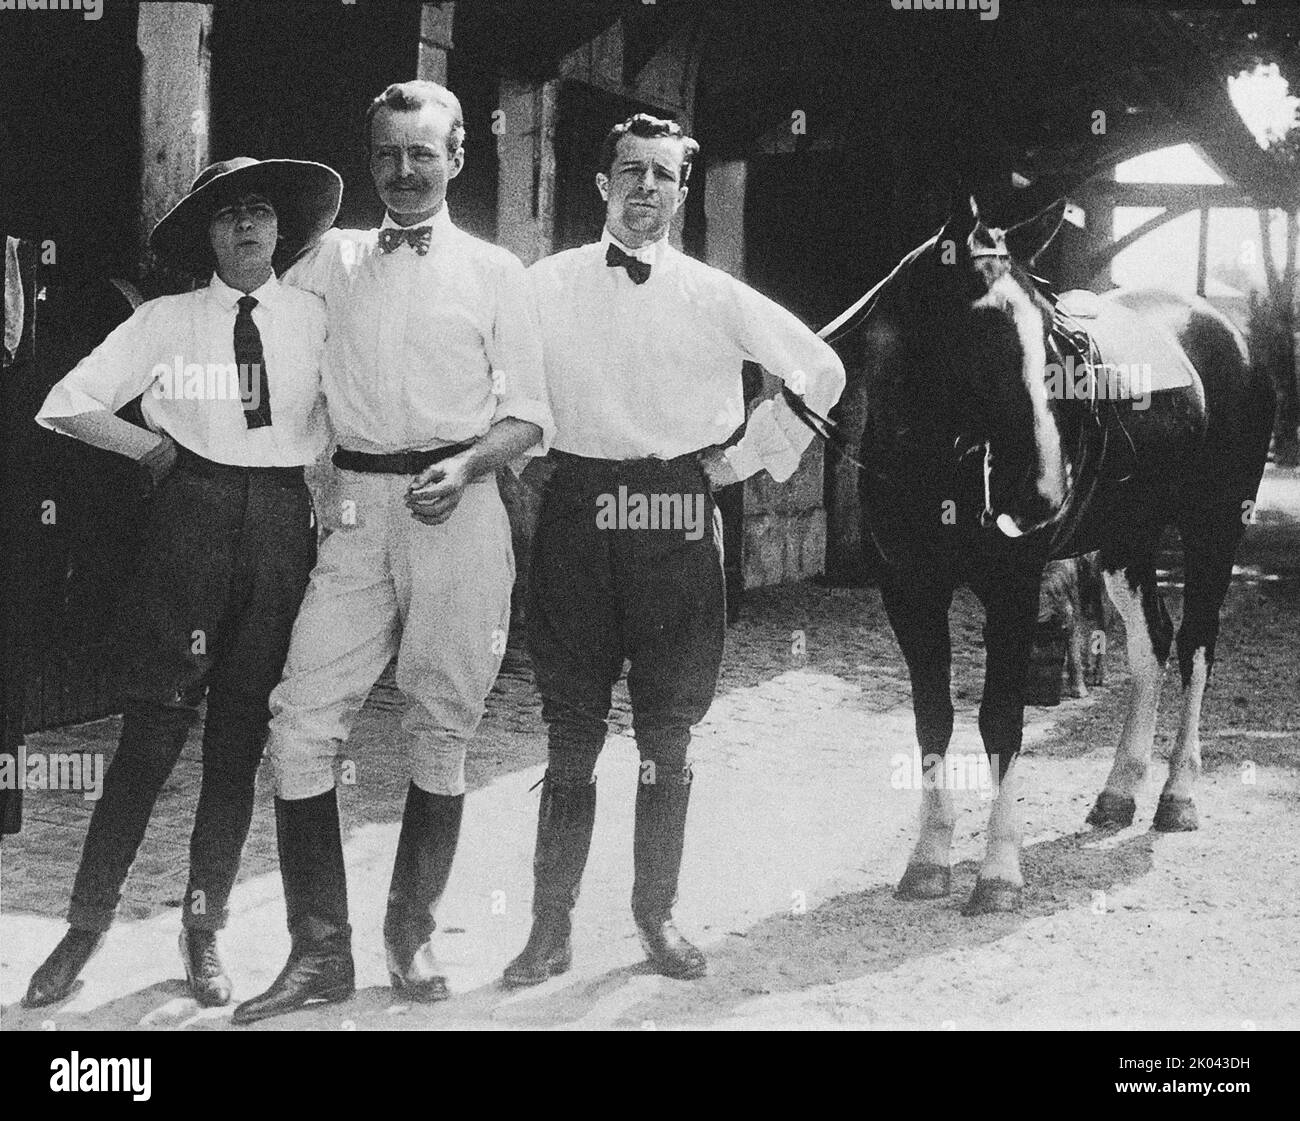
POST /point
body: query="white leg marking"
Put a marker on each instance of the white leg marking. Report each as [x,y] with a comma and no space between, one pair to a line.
[934,845]
[1006,829]
[1074,658]
[1133,754]
[1185,762]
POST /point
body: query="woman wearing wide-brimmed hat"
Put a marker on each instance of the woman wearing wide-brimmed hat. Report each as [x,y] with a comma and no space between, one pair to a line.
[230,377]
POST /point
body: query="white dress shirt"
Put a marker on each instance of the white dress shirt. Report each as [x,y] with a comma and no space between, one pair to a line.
[425,350]
[654,369]
[179,351]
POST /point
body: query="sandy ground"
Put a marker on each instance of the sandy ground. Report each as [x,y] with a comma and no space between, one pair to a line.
[800,826]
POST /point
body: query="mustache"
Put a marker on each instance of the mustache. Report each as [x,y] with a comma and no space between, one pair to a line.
[406,184]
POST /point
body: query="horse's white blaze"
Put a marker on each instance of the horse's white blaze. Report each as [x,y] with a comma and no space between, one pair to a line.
[938,818]
[1006,829]
[1033,350]
[1185,762]
[988,478]
[1133,755]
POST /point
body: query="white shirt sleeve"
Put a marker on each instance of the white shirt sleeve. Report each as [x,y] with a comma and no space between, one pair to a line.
[120,368]
[770,335]
[514,351]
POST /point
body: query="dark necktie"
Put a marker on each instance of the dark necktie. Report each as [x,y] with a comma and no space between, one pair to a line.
[248,355]
[417,237]
[639,271]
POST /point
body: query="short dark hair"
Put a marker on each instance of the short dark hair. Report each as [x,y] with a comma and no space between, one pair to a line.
[649,128]
[406,97]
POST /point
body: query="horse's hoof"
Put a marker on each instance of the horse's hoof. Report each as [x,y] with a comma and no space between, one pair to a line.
[1112,810]
[1175,815]
[993,897]
[924,881]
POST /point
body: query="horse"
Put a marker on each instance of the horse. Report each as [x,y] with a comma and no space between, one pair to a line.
[976,469]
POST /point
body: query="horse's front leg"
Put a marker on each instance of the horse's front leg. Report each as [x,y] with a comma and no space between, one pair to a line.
[1010,613]
[918,612]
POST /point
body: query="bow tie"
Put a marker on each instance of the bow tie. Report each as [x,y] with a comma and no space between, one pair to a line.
[417,237]
[639,271]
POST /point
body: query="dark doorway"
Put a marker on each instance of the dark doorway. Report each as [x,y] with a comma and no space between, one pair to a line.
[586,115]
[280,93]
[69,189]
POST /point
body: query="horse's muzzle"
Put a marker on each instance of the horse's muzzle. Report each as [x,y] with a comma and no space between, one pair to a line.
[1009,526]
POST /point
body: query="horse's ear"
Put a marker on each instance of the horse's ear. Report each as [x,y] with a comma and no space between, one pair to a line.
[962,218]
[1028,239]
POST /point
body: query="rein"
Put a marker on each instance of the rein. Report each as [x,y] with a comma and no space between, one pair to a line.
[1066,336]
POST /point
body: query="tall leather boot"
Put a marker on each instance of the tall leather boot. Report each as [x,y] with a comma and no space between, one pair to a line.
[425,848]
[316,898]
[564,823]
[657,855]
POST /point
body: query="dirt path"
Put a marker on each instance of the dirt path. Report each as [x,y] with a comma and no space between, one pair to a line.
[800,827]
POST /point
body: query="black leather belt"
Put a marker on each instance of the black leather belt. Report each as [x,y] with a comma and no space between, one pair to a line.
[394,463]
[210,469]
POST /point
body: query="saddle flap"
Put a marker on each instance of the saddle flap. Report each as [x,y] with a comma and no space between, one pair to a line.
[1134,353]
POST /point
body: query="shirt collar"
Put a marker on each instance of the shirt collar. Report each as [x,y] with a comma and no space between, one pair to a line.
[651,254]
[440,223]
[228,297]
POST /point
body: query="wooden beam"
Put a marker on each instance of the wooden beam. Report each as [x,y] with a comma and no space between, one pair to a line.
[1103,257]
[1188,196]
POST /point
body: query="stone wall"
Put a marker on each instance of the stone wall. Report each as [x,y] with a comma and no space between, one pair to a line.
[785,523]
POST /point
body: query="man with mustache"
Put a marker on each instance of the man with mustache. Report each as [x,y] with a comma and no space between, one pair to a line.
[433,376]
[230,377]
[644,348]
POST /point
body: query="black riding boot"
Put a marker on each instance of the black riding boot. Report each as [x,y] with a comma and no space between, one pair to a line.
[564,823]
[657,855]
[425,848]
[54,980]
[316,899]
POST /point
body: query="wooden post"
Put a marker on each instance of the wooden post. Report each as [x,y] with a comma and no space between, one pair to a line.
[1202,252]
[724,248]
[526,181]
[174,111]
[435,41]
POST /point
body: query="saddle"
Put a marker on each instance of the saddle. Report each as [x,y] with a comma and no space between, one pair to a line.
[1108,358]
[1128,351]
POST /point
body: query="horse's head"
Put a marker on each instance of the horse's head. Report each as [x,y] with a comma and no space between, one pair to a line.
[986,328]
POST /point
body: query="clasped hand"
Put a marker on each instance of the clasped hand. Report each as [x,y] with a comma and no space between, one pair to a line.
[436,491]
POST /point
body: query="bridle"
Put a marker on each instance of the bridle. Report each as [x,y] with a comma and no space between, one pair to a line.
[1066,337]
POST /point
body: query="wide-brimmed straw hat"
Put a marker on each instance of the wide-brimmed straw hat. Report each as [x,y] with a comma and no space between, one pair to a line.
[305,195]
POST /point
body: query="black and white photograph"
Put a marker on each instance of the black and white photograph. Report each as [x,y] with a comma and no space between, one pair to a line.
[651,515]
